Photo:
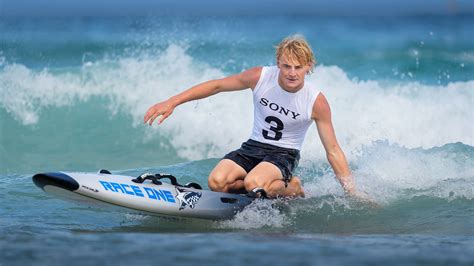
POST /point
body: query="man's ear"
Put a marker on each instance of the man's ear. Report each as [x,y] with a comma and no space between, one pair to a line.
[311,65]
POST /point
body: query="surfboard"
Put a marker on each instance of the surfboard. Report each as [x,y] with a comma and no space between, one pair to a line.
[147,193]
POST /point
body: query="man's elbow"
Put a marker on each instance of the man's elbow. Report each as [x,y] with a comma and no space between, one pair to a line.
[337,160]
[333,157]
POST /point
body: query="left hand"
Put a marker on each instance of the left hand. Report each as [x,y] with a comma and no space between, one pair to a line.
[364,198]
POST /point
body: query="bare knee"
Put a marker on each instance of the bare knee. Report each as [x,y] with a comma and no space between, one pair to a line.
[276,187]
[227,176]
[252,182]
[217,182]
[222,181]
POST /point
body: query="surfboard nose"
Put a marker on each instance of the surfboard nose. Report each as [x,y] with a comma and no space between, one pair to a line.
[55,179]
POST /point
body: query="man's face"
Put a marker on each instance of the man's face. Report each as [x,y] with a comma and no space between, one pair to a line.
[291,77]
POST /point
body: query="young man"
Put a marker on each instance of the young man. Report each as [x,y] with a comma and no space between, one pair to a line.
[284,108]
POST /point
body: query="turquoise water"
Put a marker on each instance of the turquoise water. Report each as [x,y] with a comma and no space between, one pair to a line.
[73,93]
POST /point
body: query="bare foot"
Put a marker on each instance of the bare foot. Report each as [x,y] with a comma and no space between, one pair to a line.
[294,187]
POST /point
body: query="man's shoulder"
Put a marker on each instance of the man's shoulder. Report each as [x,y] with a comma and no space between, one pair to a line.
[257,69]
[251,76]
[321,107]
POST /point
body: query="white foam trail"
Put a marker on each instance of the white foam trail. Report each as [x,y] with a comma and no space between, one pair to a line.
[387,172]
[257,215]
[409,114]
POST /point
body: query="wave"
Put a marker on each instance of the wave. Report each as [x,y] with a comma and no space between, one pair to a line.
[387,172]
[408,114]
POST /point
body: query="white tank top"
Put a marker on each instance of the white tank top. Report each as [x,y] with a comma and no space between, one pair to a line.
[281,118]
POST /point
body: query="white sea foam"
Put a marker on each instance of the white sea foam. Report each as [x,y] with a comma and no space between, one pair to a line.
[387,172]
[258,214]
[409,114]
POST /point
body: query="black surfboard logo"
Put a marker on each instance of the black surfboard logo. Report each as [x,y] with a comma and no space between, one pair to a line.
[187,198]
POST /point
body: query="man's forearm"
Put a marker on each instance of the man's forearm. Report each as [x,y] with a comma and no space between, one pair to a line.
[197,92]
[339,164]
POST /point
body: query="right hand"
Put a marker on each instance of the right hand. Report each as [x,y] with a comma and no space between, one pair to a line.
[163,109]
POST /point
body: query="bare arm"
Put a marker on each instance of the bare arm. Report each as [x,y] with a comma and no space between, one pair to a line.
[241,81]
[322,115]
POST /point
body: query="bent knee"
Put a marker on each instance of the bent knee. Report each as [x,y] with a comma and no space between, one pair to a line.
[226,176]
[252,182]
[225,182]
[249,183]
[275,187]
[217,182]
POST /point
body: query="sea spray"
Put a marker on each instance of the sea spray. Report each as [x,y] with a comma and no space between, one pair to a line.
[363,111]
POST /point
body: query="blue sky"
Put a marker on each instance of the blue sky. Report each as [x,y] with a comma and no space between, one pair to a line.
[232,7]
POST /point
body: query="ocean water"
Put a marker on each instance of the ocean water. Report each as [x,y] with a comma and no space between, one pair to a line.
[73,92]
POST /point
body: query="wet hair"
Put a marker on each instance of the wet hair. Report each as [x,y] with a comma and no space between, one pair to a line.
[297,50]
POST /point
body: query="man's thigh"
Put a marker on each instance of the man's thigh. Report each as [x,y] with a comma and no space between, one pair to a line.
[263,175]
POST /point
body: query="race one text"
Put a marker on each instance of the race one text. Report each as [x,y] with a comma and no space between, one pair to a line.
[151,193]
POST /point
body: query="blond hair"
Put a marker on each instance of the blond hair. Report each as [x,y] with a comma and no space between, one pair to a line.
[297,50]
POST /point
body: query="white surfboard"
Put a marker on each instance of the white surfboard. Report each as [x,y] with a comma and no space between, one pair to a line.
[147,193]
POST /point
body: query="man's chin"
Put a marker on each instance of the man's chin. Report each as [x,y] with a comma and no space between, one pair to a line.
[291,87]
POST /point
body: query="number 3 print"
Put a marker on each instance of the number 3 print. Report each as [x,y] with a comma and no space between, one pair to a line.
[275,129]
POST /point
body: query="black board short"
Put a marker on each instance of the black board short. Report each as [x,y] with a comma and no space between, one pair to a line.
[253,152]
